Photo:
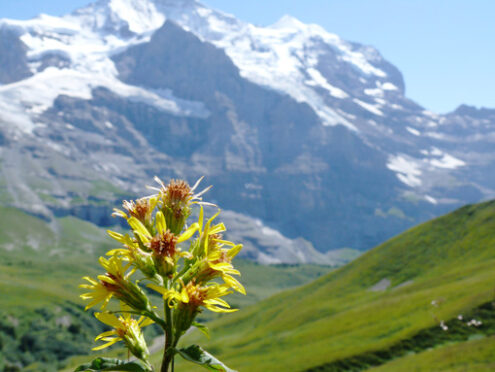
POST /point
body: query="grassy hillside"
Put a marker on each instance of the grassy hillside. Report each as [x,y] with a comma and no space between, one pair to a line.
[474,355]
[41,265]
[372,304]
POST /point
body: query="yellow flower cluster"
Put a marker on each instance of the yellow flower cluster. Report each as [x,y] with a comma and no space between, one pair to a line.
[183,263]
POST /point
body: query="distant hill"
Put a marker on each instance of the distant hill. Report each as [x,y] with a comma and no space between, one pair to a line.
[387,303]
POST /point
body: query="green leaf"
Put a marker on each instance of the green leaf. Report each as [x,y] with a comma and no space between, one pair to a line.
[108,364]
[196,354]
[202,328]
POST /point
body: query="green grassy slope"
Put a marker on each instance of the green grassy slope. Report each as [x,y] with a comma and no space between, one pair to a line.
[448,260]
[40,265]
[474,355]
[41,318]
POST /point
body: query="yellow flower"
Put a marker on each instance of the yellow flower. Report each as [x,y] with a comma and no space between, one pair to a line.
[116,270]
[164,246]
[163,251]
[108,284]
[218,263]
[161,226]
[175,201]
[127,329]
[189,300]
[141,209]
[193,296]
[179,192]
[217,260]
[133,253]
[99,293]
[115,283]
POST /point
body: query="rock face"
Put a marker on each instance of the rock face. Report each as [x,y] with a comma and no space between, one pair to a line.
[13,59]
[299,130]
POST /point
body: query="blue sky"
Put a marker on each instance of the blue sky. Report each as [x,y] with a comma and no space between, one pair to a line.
[444,48]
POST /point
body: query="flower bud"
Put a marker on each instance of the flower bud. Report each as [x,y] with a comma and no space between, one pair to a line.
[175,198]
[164,251]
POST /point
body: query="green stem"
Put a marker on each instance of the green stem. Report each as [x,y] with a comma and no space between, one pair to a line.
[168,351]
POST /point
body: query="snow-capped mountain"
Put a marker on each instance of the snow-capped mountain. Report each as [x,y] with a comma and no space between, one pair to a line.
[295,127]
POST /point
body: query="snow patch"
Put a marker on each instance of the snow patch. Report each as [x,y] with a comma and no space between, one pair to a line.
[439,159]
[317,79]
[413,131]
[436,135]
[431,199]
[447,162]
[407,169]
[375,92]
[388,86]
[141,16]
[369,107]
[436,152]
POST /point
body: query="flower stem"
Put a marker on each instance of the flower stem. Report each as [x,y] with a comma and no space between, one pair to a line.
[168,351]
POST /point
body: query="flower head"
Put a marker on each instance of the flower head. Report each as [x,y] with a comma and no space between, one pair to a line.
[99,293]
[132,253]
[175,201]
[164,250]
[188,300]
[115,282]
[127,329]
[215,256]
[196,295]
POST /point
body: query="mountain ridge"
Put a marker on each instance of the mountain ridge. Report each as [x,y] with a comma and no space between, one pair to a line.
[309,133]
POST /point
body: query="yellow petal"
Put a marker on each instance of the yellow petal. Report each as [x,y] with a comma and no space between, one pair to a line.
[106,334]
[92,281]
[146,322]
[119,213]
[213,217]
[234,250]
[106,279]
[121,251]
[221,266]
[108,319]
[234,283]
[224,242]
[213,256]
[188,233]
[144,238]
[186,255]
[116,339]
[139,228]
[161,224]
[217,229]
[217,301]
[157,288]
[201,218]
[115,235]
[184,297]
[91,304]
[219,309]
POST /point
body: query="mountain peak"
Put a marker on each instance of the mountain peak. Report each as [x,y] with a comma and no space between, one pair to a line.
[288,21]
[138,16]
